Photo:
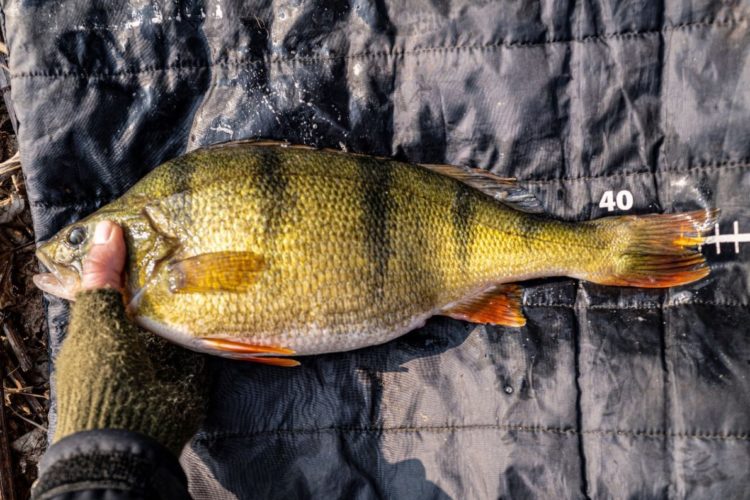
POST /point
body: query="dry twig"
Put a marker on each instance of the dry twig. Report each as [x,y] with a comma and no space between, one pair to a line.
[32,402]
[7,489]
[12,164]
[16,344]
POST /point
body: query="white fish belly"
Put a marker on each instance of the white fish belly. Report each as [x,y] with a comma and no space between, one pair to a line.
[310,341]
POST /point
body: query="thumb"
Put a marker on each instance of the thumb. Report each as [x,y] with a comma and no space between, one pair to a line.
[103,265]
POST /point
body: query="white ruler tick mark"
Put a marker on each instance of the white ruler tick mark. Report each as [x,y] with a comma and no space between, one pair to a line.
[736,237]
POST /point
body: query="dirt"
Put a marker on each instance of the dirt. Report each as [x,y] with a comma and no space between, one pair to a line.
[24,365]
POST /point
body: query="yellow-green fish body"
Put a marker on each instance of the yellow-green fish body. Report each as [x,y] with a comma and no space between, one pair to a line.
[244,246]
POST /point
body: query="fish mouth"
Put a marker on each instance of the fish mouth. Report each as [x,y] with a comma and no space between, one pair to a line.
[62,281]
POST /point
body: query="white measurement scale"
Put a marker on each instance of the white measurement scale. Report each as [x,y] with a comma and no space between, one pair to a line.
[736,237]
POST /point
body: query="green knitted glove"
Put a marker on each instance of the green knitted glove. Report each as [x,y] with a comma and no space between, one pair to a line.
[112,375]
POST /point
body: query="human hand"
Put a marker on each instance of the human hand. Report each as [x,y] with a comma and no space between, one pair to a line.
[103,266]
[112,375]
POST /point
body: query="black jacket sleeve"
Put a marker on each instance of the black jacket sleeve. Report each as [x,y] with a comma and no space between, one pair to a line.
[111,464]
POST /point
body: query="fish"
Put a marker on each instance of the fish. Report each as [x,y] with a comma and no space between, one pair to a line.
[261,251]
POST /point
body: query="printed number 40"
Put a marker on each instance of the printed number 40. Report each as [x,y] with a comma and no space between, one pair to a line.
[622,201]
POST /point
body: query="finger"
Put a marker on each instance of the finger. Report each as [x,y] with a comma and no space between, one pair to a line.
[103,265]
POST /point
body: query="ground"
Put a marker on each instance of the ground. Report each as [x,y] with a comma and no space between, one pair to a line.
[24,365]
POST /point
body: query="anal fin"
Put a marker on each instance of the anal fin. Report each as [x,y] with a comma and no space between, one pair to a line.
[498,305]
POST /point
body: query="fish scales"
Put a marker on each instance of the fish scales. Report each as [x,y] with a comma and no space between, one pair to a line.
[345,227]
[417,240]
[320,251]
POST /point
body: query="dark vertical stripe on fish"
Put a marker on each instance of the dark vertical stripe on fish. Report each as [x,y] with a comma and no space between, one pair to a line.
[422,251]
[182,187]
[182,176]
[272,187]
[462,212]
[375,178]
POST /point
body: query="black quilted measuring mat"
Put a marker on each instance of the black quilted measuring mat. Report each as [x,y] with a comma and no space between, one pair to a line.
[599,108]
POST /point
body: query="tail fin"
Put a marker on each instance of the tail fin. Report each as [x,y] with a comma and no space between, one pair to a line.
[654,251]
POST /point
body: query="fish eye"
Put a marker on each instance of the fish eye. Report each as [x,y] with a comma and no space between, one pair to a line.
[77,235]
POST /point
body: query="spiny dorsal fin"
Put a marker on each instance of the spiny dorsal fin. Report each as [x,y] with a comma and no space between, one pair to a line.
[504,189]
[498,305]
[261,143]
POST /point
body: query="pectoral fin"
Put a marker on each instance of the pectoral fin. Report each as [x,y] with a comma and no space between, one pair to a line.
[215,272]
[499,305]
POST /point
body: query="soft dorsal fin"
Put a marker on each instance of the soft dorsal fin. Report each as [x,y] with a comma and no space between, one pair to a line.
[498,305]
[504,189]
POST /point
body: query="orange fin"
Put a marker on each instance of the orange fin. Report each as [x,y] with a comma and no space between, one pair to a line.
[226,345]
[657,253]
[215,272]
[499,305]
[249,352]
[264,360]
